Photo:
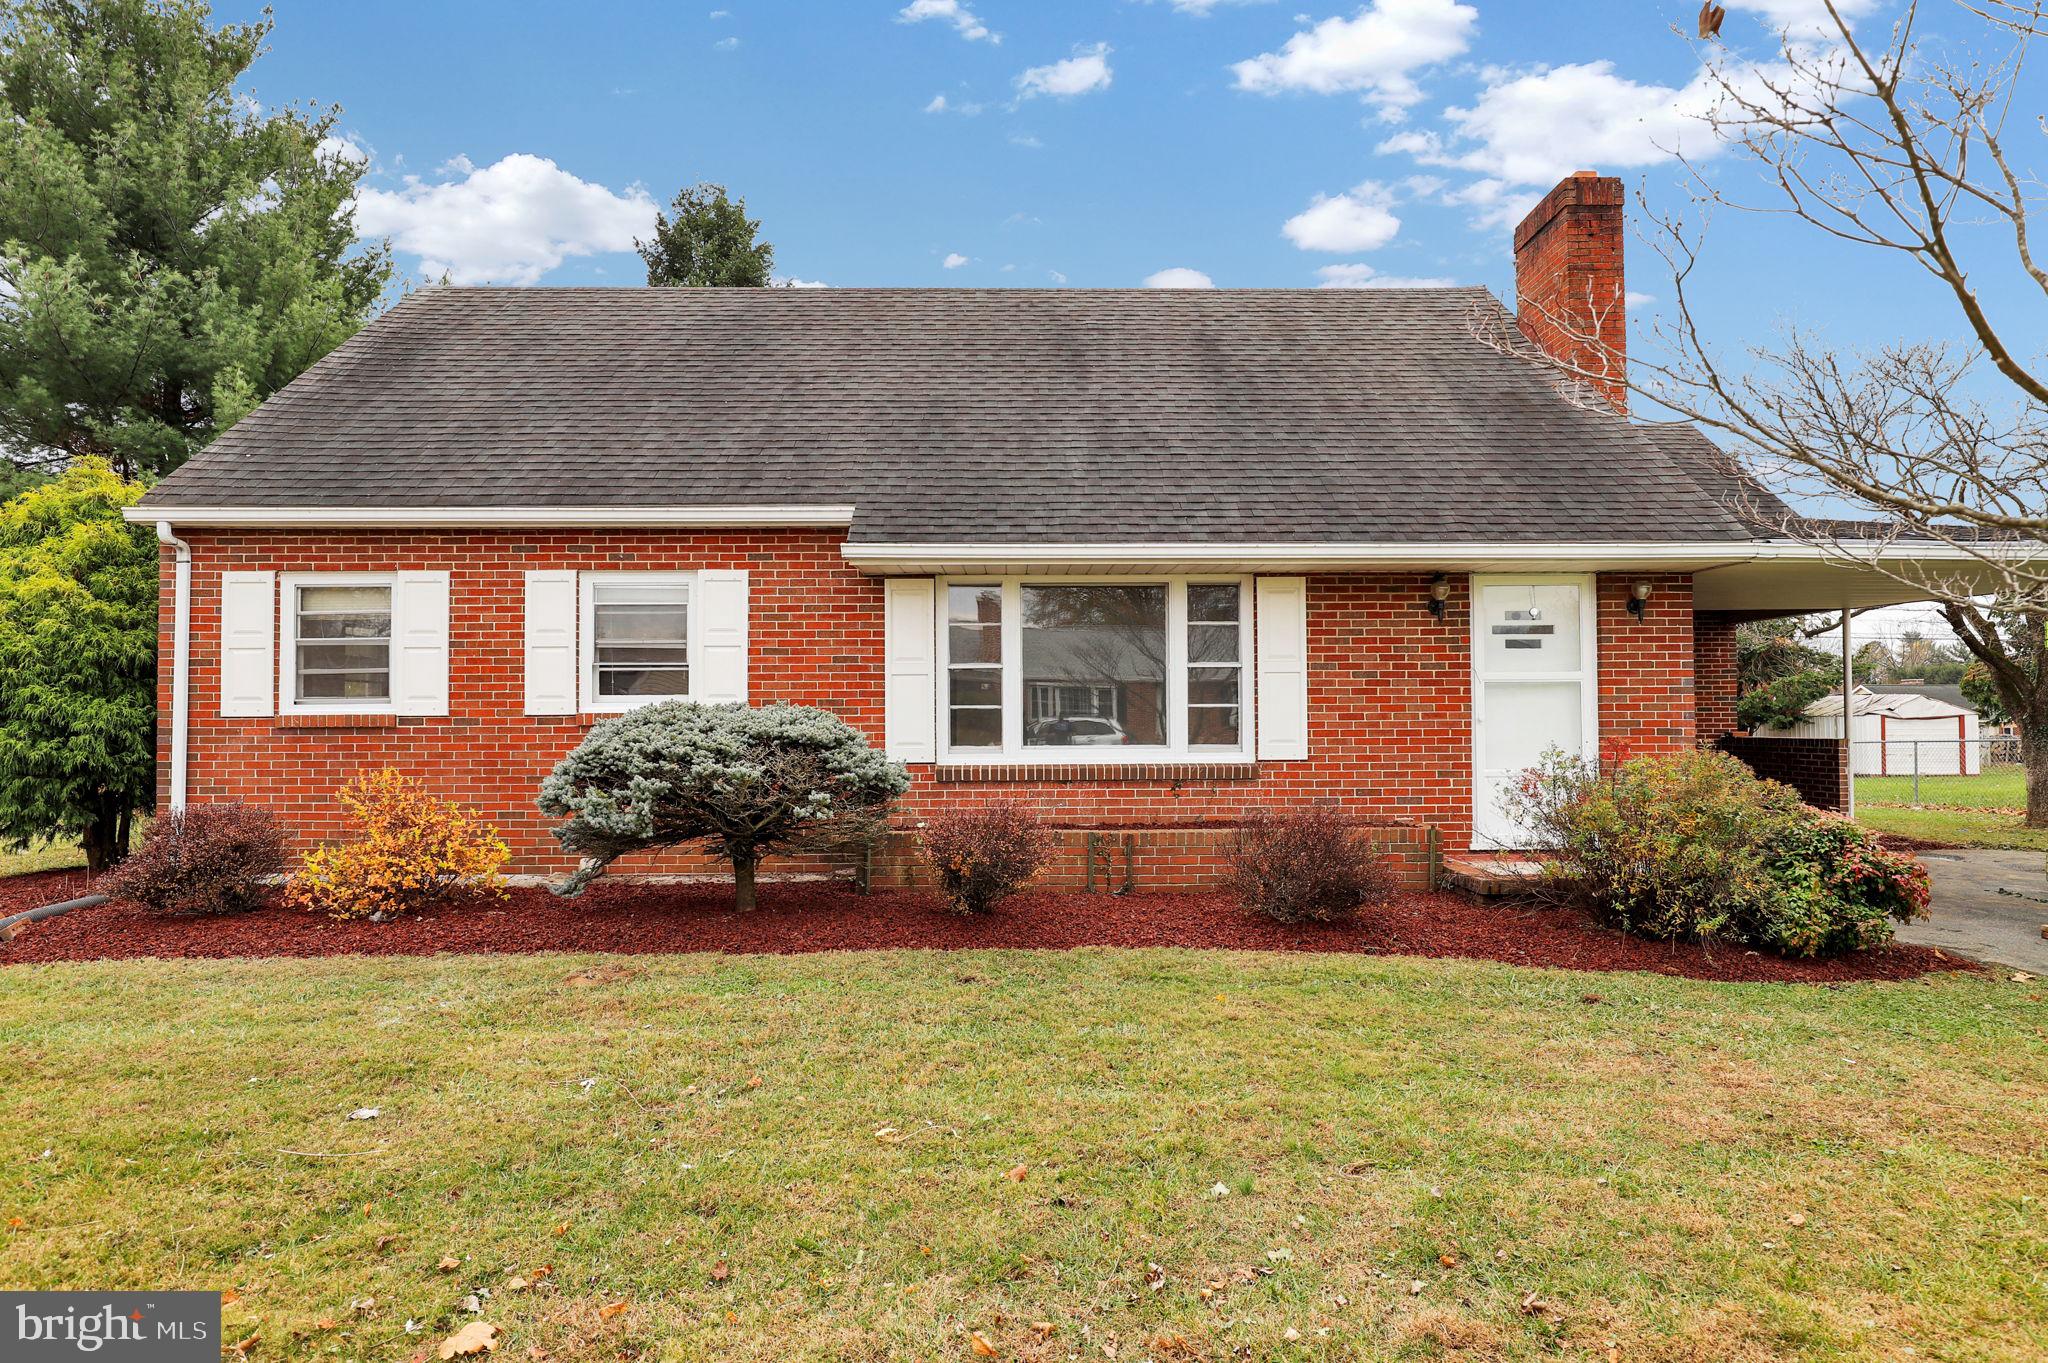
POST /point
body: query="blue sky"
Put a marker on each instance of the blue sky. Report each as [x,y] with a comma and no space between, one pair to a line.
[1092,142]
[1040,143]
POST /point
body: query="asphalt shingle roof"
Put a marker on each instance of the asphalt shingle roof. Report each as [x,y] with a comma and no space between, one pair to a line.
[943,415]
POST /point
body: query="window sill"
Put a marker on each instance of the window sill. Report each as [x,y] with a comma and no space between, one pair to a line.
[316,720]
[1172,769]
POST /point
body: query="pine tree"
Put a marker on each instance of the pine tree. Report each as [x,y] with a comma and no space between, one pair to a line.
[171,252]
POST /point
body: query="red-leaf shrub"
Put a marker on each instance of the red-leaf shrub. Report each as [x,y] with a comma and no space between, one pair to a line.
[983,856]
[203,859]
[1308,865]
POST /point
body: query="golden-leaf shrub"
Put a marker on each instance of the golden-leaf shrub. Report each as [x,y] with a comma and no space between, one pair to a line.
[415,849]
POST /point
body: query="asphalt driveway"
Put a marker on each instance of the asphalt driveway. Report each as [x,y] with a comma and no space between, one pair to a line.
[1988,905]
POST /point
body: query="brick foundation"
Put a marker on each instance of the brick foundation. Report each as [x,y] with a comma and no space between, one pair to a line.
[1116,860]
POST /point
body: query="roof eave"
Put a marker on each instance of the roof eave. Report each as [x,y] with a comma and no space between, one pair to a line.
[492,517]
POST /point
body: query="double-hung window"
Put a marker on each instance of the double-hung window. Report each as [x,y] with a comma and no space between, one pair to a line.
[339,643]
[637,637]
[1086,670]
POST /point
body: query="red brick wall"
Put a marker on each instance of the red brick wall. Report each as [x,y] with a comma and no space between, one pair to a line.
[1389,686]
[1715,675]
[1646,680]
[1570,294]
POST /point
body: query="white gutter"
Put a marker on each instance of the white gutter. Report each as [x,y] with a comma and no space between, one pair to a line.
[181,650]
[1715,554]
[457,517]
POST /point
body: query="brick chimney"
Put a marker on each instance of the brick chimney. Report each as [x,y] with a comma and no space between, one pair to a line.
[1568,280]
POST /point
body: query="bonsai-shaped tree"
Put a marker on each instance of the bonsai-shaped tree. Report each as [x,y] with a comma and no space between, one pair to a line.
[743,781]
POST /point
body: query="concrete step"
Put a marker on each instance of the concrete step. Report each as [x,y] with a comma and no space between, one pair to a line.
[1492,877]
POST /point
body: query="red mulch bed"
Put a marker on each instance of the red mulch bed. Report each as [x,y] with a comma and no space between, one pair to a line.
[37,888]
[806,917]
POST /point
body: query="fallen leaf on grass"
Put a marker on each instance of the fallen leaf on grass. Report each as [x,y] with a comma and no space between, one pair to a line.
[1016,1175]
[515,1283]
[242,1347]
[477,1337]
[1415,1287]
[385,1241]
[562,1229]
[980,1345]
[1168,1342]
[612,1312]
[15,1223]
[1447,1260]
[720,1271]
[1796,1219]
[230,1297]
[449,1263]
[1043,1328]
[366,1114]
[1533,1305]
[889,1135]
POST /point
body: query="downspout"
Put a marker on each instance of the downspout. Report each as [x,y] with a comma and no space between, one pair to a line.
[181,668]
[1848,719]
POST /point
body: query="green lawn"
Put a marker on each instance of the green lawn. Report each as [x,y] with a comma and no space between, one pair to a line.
[1964,811]
[807,1157]
[47,856]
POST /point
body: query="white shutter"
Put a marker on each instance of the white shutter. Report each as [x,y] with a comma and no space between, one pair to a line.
[721,626]
[551,642]
[1282,625]
[419,616]
[910,685]
[248,643]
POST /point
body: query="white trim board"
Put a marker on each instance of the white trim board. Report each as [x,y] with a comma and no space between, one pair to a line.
[457,517]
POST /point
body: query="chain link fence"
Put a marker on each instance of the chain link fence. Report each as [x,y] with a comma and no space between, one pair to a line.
[1951,773]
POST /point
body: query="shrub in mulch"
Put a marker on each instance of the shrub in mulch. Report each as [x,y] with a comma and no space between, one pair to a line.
[809,916]
[985,855]
[211,858]
[416,849]
[1308,865]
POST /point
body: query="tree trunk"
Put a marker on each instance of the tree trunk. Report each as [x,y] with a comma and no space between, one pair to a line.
[743,880]
[101,841]
[2034,759]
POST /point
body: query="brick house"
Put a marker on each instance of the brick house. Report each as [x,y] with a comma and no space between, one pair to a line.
[1144,559]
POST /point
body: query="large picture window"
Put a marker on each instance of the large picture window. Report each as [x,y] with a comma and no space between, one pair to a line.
[1092,671]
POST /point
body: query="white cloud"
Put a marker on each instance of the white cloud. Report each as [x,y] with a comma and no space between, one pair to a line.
[508,223]
[344,148]
[948,11]
[790,281]
[1056,277]
[721,14]
[1179,277]
[725,44]
[1360,276]
[1376,52]
[1633,300]
[941,105]
[1360,219]
[954,260]
[1201,8]
[1088,69]
[1801,19]
[1535,127]
[1025,140]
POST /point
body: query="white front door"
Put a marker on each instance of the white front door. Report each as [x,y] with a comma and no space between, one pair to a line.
[1533,648]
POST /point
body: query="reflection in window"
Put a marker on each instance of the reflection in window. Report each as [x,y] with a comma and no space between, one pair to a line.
[974,672]
[641,638]
[344,643]
[1215,665]
[1094,660]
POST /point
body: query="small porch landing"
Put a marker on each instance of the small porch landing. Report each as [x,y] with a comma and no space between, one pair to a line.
[1492,875]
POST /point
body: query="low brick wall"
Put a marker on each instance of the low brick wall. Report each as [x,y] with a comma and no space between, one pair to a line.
[1818,768]
[1187,857]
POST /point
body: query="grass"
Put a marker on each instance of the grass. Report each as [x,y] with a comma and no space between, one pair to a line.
[44,856]
[779,1158]
[1963,811]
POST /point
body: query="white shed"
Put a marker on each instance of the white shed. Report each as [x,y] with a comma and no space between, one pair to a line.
[1888,734]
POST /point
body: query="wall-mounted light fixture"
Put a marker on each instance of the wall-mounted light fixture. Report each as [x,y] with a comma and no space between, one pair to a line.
[1637,595]
[1439,592]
